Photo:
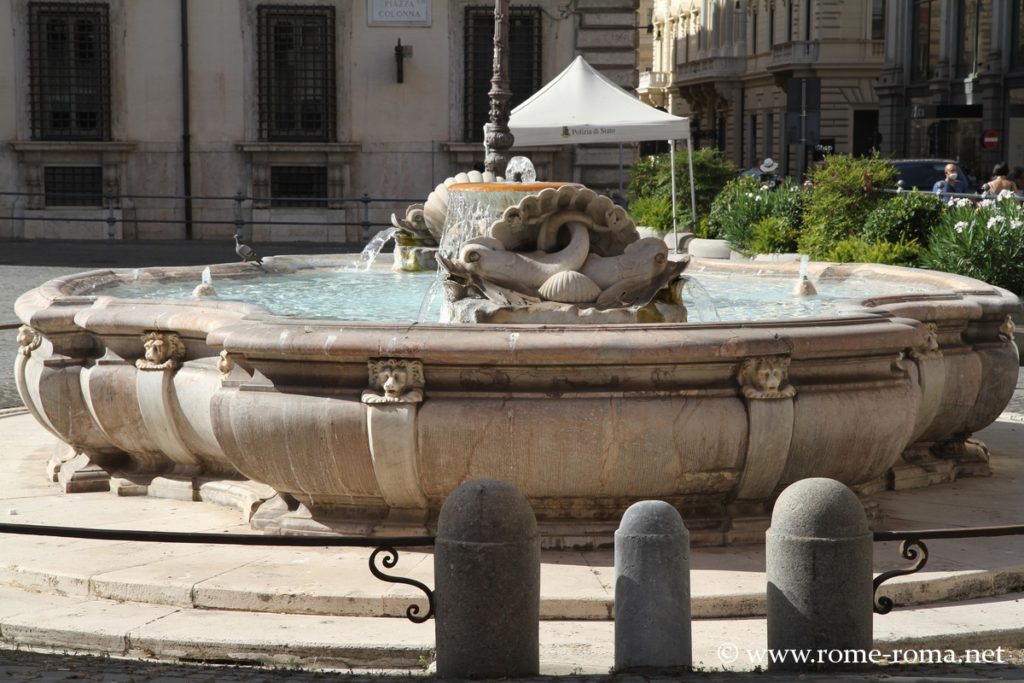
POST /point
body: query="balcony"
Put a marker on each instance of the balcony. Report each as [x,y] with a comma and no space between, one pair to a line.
[654,80]
[794,55]
[710,69]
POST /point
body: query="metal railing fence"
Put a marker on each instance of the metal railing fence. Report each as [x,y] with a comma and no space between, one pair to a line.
[384,548]
[280,211]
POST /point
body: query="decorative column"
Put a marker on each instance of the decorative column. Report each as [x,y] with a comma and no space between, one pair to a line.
[497,136]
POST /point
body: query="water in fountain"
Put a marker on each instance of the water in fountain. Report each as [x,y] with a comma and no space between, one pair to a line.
[520,170]
[205,286]
[373,249]
[381,295]
[699,305]
[804,286]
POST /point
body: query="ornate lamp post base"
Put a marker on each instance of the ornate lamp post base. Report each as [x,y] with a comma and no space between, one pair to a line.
[498,138]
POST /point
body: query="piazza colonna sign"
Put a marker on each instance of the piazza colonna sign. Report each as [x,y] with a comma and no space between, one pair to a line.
[398,12]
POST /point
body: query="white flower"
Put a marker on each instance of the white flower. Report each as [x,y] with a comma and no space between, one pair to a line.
[986,204]
[960,225]
[962,202]
[1004,195]
[765,188]
[750,195]
[994,221]
[757,198]
[1016,223]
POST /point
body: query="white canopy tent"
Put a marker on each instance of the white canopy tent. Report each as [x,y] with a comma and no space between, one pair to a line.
[581,105]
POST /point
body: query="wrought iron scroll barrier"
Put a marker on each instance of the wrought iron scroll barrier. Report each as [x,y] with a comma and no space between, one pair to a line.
[384,548]
[912,548]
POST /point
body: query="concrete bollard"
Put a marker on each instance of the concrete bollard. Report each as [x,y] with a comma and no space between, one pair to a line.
[652,589]
[818,555]
[487,584]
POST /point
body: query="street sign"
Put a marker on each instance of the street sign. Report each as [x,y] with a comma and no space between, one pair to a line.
[990,139]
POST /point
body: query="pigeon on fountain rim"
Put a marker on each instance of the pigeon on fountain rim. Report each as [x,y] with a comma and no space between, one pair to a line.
[247,253]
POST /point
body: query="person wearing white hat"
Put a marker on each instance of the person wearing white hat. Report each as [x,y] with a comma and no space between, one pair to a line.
[768,168]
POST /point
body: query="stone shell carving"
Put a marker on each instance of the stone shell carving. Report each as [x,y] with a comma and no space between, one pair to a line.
[28,340]
[435,208]
[536,221]
[765,377]
[164,351]
[394,380]
[570,287]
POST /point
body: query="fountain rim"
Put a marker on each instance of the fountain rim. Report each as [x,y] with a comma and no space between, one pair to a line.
[61,299]
[509,186]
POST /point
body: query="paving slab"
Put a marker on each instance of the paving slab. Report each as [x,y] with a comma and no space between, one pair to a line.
[567,646]
[726,582]
[321,607]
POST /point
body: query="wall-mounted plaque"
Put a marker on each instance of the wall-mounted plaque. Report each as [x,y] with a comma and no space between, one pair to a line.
[398,12]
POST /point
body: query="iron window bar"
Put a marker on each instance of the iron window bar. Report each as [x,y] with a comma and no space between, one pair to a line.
[69,70]
[524,62]
[295,72]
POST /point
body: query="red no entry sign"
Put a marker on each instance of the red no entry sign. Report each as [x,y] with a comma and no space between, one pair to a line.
[990,139]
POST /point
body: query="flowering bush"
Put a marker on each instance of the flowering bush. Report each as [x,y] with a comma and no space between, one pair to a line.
[983,241]
[739,214]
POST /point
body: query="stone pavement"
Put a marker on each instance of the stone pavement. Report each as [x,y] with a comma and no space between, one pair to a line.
[320,608]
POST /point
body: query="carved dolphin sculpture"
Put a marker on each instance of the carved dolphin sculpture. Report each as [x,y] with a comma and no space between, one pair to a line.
[639,291]
[547,237]
[458,271]
[644,258]
[487,257]
[414,224]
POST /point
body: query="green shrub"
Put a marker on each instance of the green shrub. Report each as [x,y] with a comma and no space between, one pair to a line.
[739,213]
[984,242]
[859,250]
[651,212]
[908,216]
[837,205]
[773,235]
[651,185]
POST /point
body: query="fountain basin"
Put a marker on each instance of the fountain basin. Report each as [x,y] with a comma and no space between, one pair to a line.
[366,427]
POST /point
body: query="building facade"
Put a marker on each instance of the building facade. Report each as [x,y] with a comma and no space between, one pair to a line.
[953,82]
[787,79]
[160,119]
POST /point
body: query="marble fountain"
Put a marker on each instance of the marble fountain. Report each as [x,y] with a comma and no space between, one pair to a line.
[568,363]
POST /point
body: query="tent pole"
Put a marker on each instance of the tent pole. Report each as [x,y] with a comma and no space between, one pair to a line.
[620,169]
[672,169]
[693,187]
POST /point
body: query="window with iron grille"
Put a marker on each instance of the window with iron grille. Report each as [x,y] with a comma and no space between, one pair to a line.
[296,73]
[524,52]
[73,185]
[298,186]
[69,70]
